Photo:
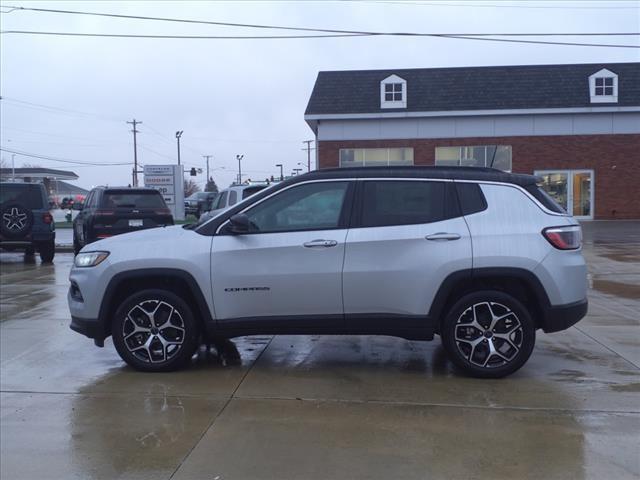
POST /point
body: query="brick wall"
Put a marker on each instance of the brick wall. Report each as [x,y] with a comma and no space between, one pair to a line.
[615,160]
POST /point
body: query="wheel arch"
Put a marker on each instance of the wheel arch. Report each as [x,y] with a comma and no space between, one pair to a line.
[517,282]
[180,282]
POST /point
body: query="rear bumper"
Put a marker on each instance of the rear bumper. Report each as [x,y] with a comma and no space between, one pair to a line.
[561,317]
[89,327]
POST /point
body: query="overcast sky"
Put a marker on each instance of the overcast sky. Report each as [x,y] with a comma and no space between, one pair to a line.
[244,96]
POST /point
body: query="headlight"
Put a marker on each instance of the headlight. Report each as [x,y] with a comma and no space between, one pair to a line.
[90,259]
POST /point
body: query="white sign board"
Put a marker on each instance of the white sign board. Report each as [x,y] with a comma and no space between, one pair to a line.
[168,180]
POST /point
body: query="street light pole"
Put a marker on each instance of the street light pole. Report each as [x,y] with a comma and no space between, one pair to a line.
[281,174]
[239,157]
[178,135]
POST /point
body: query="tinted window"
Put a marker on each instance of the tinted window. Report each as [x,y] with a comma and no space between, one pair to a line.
[233,197]
[402,203]
[223,200]
[313,206]
[471,198]
[247,192]
[29,196]
[129,199]
[544,198]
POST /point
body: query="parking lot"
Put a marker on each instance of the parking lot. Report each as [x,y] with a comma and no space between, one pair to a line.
[320,406]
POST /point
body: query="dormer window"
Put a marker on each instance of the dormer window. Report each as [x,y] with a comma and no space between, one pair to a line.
[393,92]
[603,87]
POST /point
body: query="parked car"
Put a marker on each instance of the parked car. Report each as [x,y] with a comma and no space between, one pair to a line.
[110,211]
[480,257]
[230,196]
[25,221]
[196,203]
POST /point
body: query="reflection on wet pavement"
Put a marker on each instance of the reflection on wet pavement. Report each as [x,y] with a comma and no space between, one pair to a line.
[305,407]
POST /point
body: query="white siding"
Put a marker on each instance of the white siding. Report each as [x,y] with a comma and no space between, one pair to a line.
[482,126]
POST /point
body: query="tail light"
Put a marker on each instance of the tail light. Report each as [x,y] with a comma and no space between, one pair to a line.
[564,238]
[47,218]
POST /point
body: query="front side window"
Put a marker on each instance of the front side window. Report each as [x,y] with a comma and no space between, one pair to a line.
[393,202]
[222,202]
[312,206]
[495,156]
[375,157]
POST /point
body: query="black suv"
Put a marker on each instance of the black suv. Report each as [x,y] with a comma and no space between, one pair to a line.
[110,211]
[25,221]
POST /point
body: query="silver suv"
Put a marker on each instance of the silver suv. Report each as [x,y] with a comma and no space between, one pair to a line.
[479,257]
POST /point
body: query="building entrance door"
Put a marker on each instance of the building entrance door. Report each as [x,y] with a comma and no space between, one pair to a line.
[572,189]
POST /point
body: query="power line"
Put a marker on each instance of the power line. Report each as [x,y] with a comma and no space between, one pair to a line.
[40,106]
[435,35]
[480,5]
[286,27]
[61,160]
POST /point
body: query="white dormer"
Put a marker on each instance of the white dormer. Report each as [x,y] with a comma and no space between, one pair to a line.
[603,87]
[393,92]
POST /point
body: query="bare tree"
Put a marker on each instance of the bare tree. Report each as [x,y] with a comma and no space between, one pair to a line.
[190,187]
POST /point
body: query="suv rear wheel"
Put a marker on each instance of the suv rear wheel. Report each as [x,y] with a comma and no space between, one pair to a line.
[155,331]
[47,251]
[488,334]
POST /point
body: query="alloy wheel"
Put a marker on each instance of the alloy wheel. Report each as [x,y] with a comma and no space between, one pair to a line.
[153,331]
[15,219]
[489,335]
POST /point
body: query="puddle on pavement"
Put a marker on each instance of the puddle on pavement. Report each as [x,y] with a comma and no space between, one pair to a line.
[630,387]
[618,289]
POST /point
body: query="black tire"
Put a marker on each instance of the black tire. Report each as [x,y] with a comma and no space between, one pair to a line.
[47,251]
[16,220]
[145,351]
[512,337]
[76,245]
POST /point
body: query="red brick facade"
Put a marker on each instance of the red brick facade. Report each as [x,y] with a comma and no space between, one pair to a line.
[615,160]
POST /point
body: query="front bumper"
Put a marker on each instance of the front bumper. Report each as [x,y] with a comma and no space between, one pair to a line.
[89,327]
[561,317]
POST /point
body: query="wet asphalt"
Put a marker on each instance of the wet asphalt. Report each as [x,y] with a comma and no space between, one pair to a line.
[310,407]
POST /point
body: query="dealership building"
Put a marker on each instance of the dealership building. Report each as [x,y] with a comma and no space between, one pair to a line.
[576,126]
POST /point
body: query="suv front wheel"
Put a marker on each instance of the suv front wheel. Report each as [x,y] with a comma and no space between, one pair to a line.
[488,334]
[155,331]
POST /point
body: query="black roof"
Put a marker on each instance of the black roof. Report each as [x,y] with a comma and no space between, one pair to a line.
[472,88]
[433,172]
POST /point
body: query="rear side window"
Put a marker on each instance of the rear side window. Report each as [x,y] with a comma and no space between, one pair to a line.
[128,199]
[402,203]
[471,198]
[544,198]
[247,192]
[233,197]
[29,196]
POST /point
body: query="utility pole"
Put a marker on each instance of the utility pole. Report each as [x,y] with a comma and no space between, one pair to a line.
[13,167]
[239,157]
[281,174]
[178,135]
[308,149]
[207,157]
[135,151]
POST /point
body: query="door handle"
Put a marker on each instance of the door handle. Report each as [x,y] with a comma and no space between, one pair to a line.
[443,236]
[320,244]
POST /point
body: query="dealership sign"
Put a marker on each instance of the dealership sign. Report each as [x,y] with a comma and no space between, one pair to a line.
[168,180]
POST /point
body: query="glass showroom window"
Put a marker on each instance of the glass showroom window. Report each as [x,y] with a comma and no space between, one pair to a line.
[496,156]
[375,157]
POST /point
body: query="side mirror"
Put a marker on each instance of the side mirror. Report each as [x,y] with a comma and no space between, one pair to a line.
[238,224]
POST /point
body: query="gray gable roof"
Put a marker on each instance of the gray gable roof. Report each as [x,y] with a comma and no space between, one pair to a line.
[472,88]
